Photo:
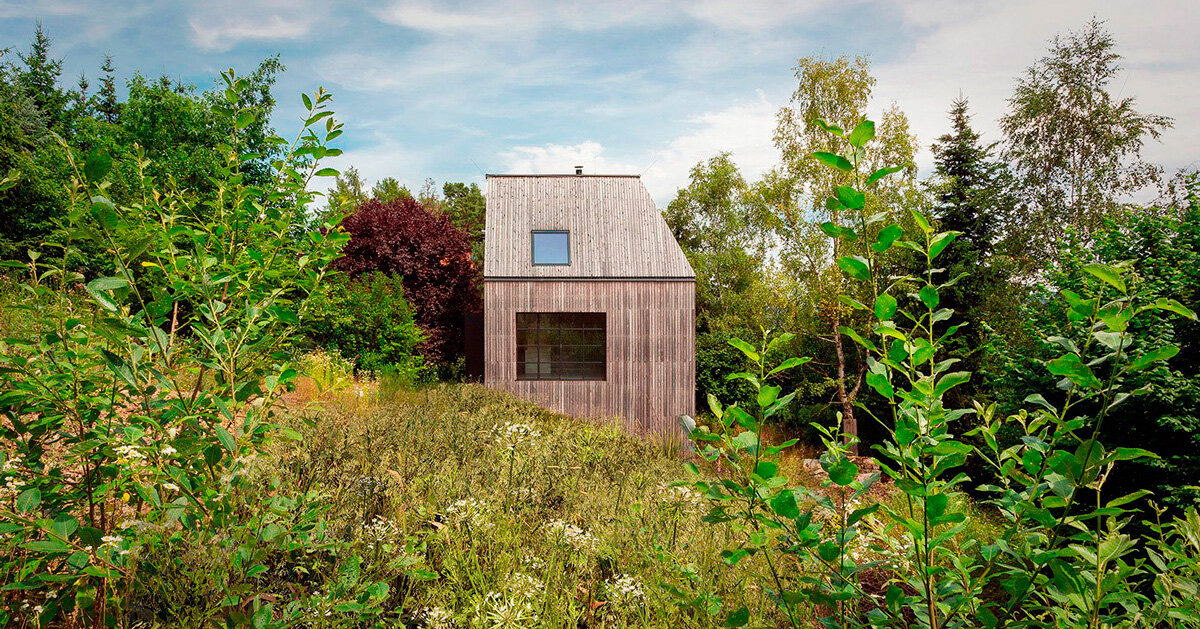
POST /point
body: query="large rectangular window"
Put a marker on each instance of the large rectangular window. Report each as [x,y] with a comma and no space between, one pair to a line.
[551,247]
[561,345]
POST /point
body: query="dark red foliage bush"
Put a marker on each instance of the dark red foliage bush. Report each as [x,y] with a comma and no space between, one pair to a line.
[440,280]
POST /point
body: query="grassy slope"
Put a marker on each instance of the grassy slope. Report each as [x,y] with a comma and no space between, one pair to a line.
[490,502]
[495,507]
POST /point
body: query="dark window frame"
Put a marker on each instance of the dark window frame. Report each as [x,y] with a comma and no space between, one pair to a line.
[533,249]
[556,359]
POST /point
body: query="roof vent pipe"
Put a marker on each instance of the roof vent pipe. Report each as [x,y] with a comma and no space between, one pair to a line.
[579,170]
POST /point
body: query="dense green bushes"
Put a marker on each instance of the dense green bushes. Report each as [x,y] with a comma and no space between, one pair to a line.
[369,321]
[1064,555]
[1161,253]
[133,420]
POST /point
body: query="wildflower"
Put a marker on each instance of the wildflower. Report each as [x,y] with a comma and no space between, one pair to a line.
[380,531]
[470,512]
[625,590]
[511,435]
[11,488]
[501,611]
[680,496]
[168,450]
[524,585]
[534,563]
[171,486]
[435,617]
[111,540]
[573,536]
[172,431]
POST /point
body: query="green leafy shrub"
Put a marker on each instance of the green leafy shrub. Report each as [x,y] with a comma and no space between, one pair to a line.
[369,320]
[1163,254]
[1062,555]
[133,421]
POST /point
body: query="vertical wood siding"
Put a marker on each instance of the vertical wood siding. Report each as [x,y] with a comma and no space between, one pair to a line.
[651,372]
[616,230]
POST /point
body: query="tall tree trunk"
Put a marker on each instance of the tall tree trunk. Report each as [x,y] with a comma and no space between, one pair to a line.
[845,398]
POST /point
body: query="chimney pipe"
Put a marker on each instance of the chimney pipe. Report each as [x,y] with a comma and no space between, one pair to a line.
[579,170]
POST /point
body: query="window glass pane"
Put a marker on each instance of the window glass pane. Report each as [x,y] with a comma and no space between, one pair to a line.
[561,346]
[551,248]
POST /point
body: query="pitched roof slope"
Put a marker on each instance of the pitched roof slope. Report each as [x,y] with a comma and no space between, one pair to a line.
[616,230]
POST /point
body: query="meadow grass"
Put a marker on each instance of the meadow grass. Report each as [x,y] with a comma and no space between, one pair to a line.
[527,517]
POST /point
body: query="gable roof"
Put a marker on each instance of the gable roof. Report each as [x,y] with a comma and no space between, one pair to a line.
[616,230]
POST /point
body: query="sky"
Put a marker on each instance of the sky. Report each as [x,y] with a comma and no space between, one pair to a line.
[451,90]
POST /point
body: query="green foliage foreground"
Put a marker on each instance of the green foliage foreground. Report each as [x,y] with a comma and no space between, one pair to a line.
[131,419]
[1064,556]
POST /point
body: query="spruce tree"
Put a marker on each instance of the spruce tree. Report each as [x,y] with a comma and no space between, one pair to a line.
[107,106]
[38,80]
[971,194]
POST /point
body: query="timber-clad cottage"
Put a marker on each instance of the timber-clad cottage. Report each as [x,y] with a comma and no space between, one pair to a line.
[589,303]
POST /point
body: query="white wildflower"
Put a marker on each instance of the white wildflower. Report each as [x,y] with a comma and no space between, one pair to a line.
[130,453]
[171,486]
[680,496]
[572,536]
[435,618]
[501,611]
[470,512]
[111,540]
[380,531]
[168,450]
[625,590]
[11,488]
[512,435]
[524,585]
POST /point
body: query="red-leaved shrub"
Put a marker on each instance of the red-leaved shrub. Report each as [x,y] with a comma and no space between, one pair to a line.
[440,280]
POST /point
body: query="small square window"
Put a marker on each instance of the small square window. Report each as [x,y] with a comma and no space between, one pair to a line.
[551,247]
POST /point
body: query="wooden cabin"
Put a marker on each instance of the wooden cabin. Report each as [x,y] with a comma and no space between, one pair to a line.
[589,303]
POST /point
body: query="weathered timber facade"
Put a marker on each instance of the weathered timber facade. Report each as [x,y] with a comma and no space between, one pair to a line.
[603,329]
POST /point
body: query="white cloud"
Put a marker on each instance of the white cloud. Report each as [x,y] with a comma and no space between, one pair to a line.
[43,8]
[754,15]
[386,157]
[505,19]
[222,25]
[563,158]
[744,129]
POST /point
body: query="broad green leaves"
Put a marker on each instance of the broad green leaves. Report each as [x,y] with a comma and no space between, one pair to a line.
[1153,356]
[885,307]
[1110,274]
[1072,368]
[29,500]
[887,236]
[855,266]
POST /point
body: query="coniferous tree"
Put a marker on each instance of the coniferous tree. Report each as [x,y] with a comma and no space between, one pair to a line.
[972,195]
[107,106]
[39,79]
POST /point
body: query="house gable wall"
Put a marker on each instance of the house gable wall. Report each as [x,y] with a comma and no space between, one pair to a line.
[650,348]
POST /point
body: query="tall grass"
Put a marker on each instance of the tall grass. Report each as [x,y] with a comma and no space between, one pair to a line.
[528,518]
